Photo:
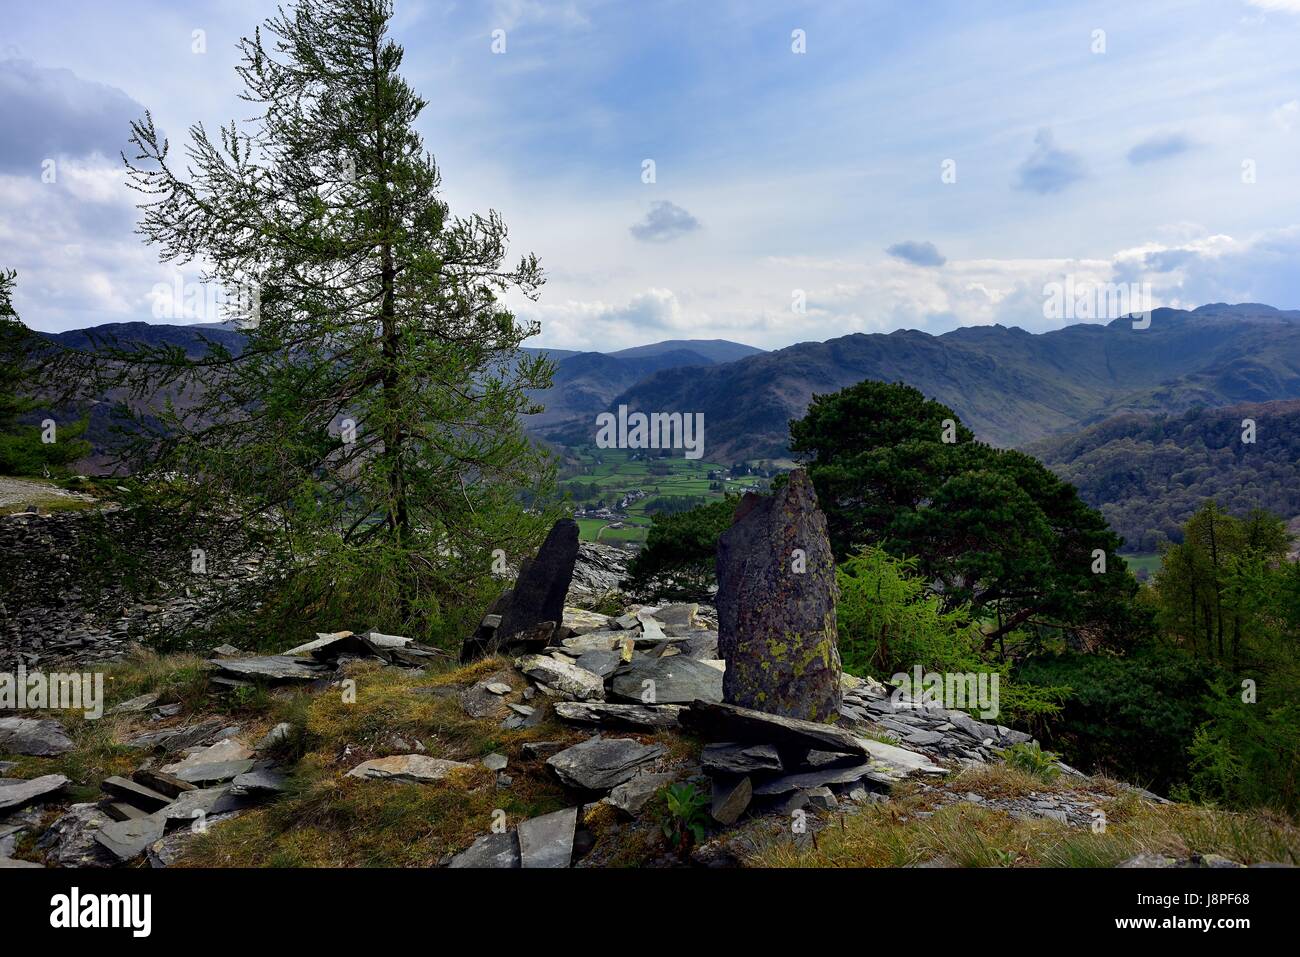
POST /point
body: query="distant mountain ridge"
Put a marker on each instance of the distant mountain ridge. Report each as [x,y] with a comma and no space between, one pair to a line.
[583,385]
[1010,386]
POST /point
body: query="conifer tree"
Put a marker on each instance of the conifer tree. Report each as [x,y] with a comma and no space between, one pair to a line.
[23,449]
[372,417]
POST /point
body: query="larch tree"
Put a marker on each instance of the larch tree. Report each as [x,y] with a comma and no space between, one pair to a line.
[372,418]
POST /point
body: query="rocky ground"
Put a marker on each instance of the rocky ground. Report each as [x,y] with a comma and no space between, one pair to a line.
[604,721]
[564,737]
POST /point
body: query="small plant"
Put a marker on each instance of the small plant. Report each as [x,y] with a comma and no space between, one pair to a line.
[683,823]
[1032,759]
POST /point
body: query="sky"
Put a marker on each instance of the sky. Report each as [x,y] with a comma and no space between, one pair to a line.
[819,168]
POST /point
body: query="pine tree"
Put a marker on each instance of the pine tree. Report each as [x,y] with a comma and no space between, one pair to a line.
[373,415]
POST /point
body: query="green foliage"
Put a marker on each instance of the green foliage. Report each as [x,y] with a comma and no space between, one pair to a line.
[1218,591]
[678,561]
[1148,474]
[1031,759]
[684,820]
[994,527]
[372,417]
[1229,597]
[888,621]
[672,504]
[1132,717]
[22,451]
[1246,755]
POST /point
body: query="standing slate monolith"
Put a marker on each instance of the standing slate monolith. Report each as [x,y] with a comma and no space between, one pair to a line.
[539,591]
[776,606]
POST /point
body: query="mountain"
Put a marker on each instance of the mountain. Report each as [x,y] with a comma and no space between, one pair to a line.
[584,382]
[1010,386]
[715,350]
[1148,473]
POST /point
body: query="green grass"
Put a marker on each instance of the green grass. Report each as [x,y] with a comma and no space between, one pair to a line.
[1150,562]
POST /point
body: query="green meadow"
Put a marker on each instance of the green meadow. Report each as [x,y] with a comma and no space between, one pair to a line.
[614,474]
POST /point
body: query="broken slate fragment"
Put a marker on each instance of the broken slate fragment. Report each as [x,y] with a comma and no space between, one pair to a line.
[271,668]
[603,663]
[128,839]
[15,793]
[547,841]
[728,722]
[730,799]
[417,768]
[38,737]
[221,762]
[258,781]
[599,764]
[490,850]
[273,737]
[563,677]
[740,758]
[639,716]
[630,796]
[135,793]
[135,704]
[482,700]
[675,680]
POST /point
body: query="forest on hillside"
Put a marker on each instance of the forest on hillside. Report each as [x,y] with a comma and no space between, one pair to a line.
[1148,474]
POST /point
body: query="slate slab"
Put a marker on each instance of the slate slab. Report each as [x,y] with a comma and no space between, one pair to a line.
[564,676]
[417,768]
[38,737]
[490,851]
[730,798]
[547,841]
[273,668]
[17,793]
[542,585]
[616,715]
[728,722]
[740,758]
[599,764]
[632,795]
[675,680]
[128,839]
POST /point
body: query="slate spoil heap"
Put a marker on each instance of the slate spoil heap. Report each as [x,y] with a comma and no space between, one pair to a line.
[653,697]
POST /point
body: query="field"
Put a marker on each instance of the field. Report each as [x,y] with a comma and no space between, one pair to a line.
[610,475]
[1137,563]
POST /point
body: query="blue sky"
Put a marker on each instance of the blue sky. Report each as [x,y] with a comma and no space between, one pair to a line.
[1094,157]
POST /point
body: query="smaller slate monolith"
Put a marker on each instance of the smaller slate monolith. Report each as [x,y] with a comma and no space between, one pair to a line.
[776,606]
[538,594]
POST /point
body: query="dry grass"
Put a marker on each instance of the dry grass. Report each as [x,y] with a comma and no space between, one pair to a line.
[329,820]
[968,835]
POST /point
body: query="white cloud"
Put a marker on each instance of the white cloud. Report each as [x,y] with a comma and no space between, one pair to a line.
[1286,6]
[1287,116]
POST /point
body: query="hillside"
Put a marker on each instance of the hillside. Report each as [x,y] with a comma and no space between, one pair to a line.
[1012,387]
[715,350]
[584,382]
[1148,473]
